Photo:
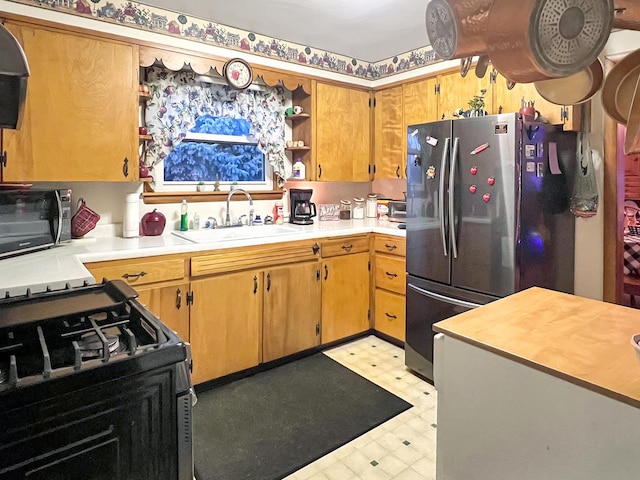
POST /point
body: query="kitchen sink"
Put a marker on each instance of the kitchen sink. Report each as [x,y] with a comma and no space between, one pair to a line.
[236,233]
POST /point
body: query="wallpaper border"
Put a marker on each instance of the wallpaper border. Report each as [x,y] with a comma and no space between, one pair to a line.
[144,17]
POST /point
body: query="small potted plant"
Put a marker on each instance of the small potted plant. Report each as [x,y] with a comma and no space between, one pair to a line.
[476,104]
[201,186]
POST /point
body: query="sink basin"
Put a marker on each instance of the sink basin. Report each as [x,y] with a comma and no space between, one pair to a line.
[236,233]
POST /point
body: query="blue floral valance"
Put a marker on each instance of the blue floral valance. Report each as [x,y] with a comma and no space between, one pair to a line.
[180,99]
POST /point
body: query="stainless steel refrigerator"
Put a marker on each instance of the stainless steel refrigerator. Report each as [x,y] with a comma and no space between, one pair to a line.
[487,215]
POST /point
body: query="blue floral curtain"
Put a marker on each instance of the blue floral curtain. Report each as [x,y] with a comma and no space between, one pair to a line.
[179,99]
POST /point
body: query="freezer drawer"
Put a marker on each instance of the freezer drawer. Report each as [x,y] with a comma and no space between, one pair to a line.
[427,304]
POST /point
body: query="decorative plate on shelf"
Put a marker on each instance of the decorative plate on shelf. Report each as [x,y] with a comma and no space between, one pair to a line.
[238,73]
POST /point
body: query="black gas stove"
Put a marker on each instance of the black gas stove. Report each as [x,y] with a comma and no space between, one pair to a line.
[92,386]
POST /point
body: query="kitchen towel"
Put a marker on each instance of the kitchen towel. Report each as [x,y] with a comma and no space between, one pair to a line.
[268,425]
[131,220]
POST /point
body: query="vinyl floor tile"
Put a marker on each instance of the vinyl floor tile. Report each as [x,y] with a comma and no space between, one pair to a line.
[402,448]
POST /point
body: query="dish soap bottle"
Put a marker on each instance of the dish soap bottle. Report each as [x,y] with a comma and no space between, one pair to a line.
[298,170]
[184,220]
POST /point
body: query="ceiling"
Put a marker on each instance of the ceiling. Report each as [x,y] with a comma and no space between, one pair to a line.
[369,30]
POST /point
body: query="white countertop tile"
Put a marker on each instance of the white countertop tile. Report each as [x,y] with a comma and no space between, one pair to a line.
[62,265]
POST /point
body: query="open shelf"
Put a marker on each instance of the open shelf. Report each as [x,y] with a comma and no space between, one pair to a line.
[297,116]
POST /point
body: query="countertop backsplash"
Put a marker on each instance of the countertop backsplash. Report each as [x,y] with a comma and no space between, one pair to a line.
[108,200]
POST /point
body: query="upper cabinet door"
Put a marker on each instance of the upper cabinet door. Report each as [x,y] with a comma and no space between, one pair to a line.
[389,134]
[456,91]
[81,114]
[420,103]
[343,134]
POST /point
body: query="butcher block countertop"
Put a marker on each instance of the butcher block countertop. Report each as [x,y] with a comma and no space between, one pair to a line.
[583,341]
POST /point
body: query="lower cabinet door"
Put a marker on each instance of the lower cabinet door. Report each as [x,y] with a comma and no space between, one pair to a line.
[390,314]
[225,324]
[169,304]
[345,296]
[291,320]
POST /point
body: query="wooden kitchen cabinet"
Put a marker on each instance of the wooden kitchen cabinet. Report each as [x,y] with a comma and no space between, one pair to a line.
[506,101]
[291,319]
[170,305]
[342,147]
[161,282]
[419,103]
[81,114]
[225,324]
[345,287]
[252,305]
[455,91]
[390,285]
[390,158]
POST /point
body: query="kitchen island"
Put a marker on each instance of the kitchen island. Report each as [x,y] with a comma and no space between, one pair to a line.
[538,385]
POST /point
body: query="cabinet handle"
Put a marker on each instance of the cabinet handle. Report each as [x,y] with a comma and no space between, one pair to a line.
[390,246]
[326,272]
[255,284]
[391,275]
[125,167]
[390,317]
[315,248]
[134,276]
[347,248]
[268,282]
[178,299]
[398,171]
[319,171]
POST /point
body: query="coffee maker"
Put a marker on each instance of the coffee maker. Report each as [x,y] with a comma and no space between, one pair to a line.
[302,209]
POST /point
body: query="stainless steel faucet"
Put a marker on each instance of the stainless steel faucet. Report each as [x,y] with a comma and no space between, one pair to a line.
[227,221]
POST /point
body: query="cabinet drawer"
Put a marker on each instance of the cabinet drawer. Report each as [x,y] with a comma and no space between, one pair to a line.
[390,273]
[345,246]
[390,314]
[139,272]
[242,258]
[391,245]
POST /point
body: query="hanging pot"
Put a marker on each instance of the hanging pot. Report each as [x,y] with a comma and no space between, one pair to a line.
[574,89]
[627,14]
[456,27]
[619,87]
[533,40]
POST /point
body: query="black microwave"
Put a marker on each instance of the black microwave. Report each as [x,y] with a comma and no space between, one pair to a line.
[32,219]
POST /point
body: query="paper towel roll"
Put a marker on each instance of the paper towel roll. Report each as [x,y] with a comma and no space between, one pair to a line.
[131,220]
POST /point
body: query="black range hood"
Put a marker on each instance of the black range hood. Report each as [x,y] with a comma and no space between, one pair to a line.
[14,72]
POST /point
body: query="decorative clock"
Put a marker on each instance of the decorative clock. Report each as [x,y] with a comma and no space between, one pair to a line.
[238,73]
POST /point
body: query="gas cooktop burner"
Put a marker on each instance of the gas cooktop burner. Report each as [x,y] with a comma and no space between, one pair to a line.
[91,345]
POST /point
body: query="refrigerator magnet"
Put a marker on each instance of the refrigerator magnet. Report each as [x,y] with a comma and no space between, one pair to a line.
[530,151]
[480,148]
[431,141]
[431,172]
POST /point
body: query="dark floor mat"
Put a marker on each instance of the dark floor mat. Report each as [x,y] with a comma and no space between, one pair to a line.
[267,426]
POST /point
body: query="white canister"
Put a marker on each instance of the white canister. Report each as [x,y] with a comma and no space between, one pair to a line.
[372,206]
[131,218]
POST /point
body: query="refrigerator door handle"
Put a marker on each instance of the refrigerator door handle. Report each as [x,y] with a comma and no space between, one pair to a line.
[443,169]
[442,298]
[452,212]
